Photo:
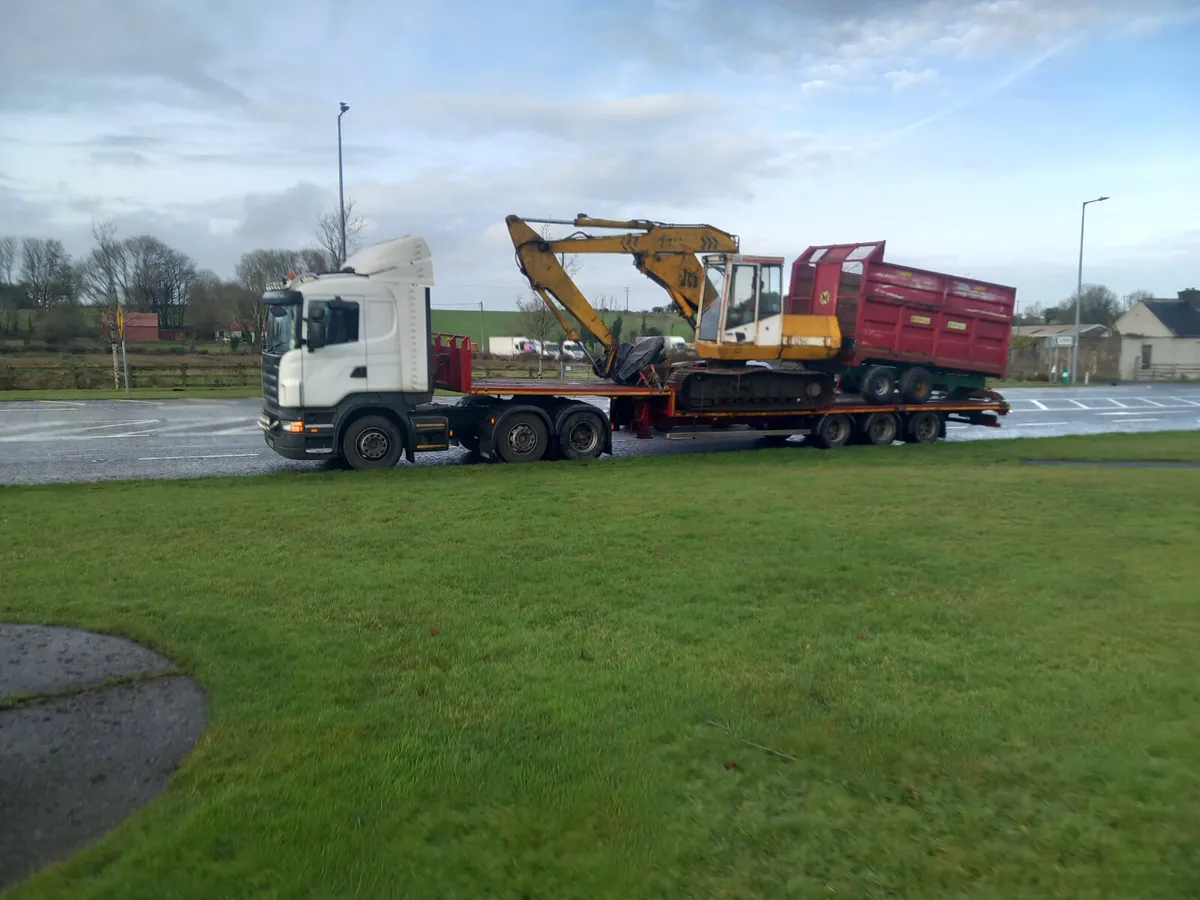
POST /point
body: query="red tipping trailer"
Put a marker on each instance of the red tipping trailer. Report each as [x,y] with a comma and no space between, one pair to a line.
[957,329]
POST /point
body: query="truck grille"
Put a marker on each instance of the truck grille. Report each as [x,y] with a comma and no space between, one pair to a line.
[270,382]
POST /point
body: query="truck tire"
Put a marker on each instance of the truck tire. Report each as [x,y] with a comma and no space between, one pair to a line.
[916,385]
[521,437]
[879,429]
[878,384]
[923,428]
[581,435]
[372,442]
[834,430]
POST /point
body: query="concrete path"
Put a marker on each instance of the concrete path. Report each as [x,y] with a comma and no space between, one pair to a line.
[91,728]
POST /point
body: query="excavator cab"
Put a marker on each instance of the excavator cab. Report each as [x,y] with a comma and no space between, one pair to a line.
[742,307]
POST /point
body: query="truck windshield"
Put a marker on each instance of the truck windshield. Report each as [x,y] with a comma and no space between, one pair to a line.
[281,329]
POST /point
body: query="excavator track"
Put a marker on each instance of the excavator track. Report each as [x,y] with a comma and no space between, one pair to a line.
[738,388]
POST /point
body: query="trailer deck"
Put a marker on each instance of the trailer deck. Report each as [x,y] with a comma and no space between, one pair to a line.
[645,407]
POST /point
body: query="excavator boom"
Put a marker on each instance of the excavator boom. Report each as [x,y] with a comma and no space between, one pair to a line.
[665,253]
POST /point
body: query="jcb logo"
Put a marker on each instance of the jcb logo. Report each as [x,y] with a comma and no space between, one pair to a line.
[690,279]
[824,298]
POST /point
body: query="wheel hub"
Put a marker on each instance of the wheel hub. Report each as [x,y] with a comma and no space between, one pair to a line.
[522,439]
[373,444]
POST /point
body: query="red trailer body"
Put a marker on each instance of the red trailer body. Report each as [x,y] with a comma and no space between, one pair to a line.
[889,313]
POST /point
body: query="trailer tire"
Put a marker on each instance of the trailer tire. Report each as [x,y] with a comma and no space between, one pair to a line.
[372,442]
[521,436]
[834,430]
[581,435]
[880,429]
[916,385]
[923,428]
[878,384]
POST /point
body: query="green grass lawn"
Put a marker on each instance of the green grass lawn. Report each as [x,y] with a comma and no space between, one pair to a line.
[494,681]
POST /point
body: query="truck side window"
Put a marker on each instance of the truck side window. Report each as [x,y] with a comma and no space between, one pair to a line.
[770,297]
[341,321]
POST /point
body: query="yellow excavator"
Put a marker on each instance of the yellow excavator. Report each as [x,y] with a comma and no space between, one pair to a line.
[735,303]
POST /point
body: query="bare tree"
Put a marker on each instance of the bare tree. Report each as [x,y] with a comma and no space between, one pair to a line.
[47,272]
[537,321]
[329,235]
[8,260]
[160,278]
[257,271]
[1133,298]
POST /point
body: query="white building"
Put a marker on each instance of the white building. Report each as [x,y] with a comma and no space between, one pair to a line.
[1160,339]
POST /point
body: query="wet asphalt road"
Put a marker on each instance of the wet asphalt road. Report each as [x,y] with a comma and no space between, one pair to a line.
[94,440]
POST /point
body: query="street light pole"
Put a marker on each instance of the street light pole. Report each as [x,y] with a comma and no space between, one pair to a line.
[1079,290]
[341,184]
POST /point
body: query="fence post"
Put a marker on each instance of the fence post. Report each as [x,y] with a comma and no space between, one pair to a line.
[183,375]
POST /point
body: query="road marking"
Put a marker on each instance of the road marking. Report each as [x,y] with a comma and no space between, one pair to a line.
[1040,405]
[1037,424]
[204,456]
[1077,403]
[1185,400]
[119,424]
[1116,403]
[1133,421]
[1148,400]
[241,429]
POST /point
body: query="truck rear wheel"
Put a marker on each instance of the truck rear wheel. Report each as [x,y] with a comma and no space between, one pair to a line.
[521,437]
[372,442]
[832,431]
[878,384]
[916,385]
[923,428]
[581,435]
[879,429]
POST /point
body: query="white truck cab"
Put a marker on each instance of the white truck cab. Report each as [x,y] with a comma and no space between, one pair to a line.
[338,341]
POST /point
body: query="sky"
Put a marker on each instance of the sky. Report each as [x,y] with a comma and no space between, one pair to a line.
[965,134]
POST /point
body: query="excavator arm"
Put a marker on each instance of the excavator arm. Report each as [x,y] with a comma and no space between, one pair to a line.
[666,254]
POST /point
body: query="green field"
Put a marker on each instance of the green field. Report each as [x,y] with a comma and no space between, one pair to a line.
[979,678]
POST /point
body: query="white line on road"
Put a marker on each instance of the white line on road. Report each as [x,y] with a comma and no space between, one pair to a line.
[1133,421]
[204,456]
[119,424]
[1185,400]
[1117,403]
[1039,404]
[1148,400]
[242,429]
[1037,424]
[1077,403]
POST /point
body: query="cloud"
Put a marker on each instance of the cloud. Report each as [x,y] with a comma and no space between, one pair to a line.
[902,79]
[79,53]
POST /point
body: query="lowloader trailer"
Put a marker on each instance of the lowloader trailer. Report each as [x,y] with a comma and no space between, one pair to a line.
[350,368]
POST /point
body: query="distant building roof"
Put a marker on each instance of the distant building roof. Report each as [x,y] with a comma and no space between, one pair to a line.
[1179,316]
[1054,330]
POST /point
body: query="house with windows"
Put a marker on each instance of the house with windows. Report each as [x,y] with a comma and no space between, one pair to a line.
[1160,339]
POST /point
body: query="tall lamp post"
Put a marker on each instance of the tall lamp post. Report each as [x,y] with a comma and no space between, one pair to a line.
[1078,290]
[344,108]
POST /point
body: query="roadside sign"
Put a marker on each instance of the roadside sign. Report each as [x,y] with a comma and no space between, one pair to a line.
[120,321]
[1062,340]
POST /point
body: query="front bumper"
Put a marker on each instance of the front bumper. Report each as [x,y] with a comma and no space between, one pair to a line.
[313,441]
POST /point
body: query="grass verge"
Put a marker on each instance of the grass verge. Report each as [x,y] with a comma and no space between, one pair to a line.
[442,686]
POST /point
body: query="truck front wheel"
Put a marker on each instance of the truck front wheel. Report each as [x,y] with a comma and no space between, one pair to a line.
[521,437]
[372,442]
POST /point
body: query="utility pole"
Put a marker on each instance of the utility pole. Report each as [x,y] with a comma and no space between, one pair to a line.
[341,183]
[1079,290]
[626,299]
[482,334]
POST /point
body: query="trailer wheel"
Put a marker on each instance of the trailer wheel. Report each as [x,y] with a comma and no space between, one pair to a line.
[832,431]
[879,429]
[372,442]
[521,437]
[878,384]
[923,428]
[581,435]
[916,385]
